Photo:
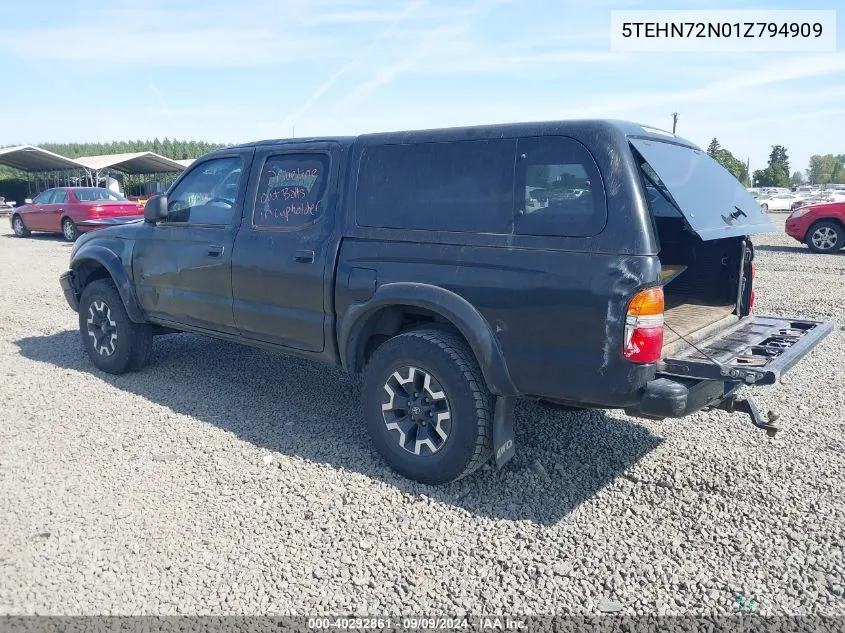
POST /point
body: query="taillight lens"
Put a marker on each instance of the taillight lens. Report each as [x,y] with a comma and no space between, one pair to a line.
[95,210]
[644,327]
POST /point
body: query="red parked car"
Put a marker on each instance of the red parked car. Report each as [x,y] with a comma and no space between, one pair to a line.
[73,210]
[820,226]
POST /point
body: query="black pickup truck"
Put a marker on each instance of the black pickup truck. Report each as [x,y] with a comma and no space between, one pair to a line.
[595,264]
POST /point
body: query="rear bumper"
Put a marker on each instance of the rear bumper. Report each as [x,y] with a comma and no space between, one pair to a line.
[687,384]
[667,397]
[66,281]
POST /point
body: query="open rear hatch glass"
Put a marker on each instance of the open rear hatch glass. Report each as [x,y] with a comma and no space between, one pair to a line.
[756,350]
[711,199]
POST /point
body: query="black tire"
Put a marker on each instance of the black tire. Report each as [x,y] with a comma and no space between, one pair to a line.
[69,230]
[765,207]
[130,347]
[825,236]
[19,228]
[454,372]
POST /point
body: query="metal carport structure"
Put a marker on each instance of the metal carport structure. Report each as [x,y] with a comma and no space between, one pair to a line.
[43,166]
[132,164]
[45,169]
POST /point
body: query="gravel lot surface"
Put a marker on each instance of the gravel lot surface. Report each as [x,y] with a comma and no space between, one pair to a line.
[225,480]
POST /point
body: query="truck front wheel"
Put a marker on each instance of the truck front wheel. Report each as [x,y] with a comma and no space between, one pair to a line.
[113,341]
[427,407]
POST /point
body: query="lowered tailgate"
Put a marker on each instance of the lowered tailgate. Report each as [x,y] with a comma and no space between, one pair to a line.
[756,350]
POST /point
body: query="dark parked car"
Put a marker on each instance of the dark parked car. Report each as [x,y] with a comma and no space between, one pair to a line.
[590,264]
[73,210]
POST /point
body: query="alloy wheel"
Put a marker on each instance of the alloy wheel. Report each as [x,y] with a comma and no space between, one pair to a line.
[102,328]
[824,238]
[416,411]
[17,226]
[69,230]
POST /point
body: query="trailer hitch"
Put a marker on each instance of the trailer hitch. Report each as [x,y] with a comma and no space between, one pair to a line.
[746,405]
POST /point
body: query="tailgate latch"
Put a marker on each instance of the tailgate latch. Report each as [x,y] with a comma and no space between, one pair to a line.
[749,377]
[733,404]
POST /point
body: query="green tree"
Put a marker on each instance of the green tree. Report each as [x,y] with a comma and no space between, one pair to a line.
[826,168]
[714,147]
[728,161]
[797,178]
[779,161]
[776,174]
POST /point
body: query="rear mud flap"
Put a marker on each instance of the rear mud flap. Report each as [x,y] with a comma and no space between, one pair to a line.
[503,440]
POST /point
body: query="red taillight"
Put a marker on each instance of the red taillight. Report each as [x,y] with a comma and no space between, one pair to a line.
[95,210]
[751,301]
[644,327]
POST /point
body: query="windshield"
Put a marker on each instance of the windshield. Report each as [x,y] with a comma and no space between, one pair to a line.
[711,199]
[94,194]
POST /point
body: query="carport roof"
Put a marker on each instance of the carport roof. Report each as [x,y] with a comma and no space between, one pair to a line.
[31,158]
[134,163]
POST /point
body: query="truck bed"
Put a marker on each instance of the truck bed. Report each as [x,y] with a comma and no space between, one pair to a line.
[691,317]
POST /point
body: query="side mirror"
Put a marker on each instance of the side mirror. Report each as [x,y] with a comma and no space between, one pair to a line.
[156,209]
[27,201]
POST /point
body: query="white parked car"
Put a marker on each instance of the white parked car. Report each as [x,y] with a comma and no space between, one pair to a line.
[776,201]
[6,208]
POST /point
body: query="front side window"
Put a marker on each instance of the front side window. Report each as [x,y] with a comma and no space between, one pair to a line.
[291,192]
[562,191]
[207,195]
[60,196]
[44,197]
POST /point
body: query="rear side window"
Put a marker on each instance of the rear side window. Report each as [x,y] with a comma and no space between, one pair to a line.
[291,191]
[463,186]
[560,189]
[60,196]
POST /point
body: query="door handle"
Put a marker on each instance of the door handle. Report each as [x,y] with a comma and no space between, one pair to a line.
[304,257]
[215,250]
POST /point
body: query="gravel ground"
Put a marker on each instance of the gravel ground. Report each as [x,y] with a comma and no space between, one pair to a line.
[225,480]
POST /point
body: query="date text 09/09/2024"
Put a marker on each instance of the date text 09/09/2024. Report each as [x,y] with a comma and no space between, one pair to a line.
[501,623]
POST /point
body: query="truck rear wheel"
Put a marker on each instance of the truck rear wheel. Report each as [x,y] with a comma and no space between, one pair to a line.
[113,341]
[427,407]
